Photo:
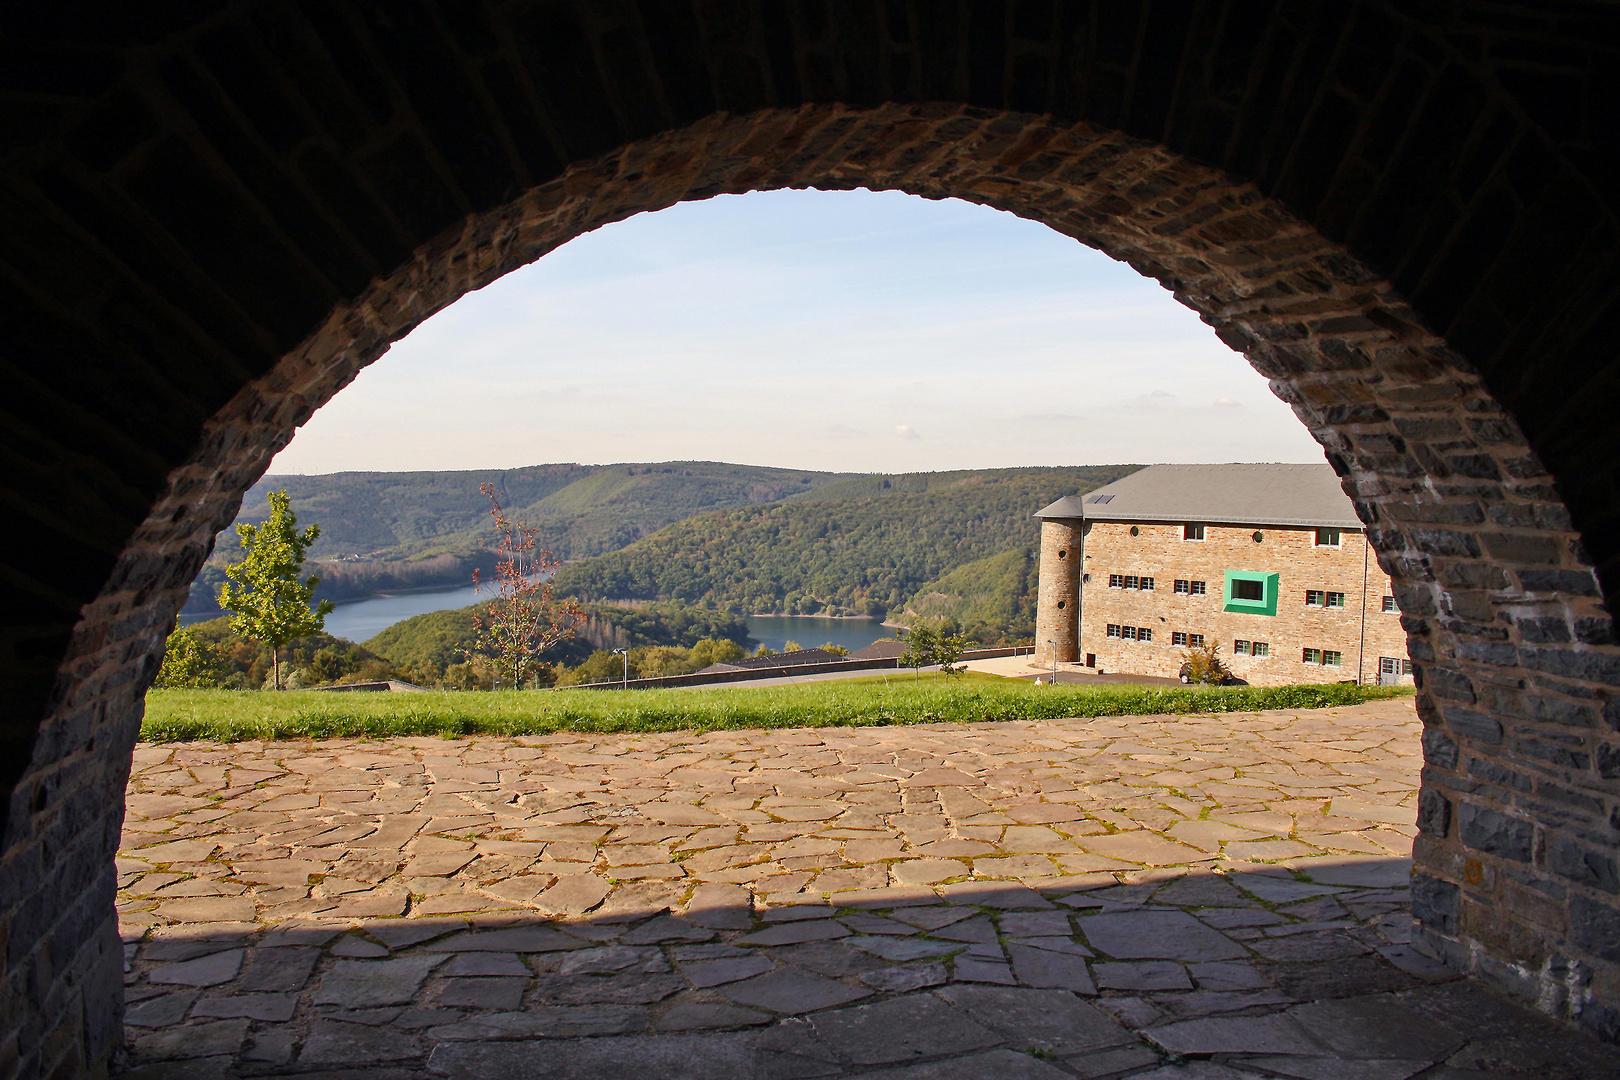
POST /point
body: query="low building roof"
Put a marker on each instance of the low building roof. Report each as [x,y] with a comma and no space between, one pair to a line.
[1302,495]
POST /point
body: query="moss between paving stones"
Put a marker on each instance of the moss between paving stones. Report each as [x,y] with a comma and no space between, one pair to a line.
[234,715]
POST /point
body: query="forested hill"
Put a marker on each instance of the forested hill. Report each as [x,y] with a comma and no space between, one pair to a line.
[863,553]
[581,510]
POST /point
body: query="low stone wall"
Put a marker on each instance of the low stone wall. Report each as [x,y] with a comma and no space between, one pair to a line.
[702,678]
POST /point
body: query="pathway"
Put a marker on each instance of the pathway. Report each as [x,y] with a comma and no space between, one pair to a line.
[1186,898]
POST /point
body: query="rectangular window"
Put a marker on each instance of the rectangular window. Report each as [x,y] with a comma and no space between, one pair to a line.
[1144,634]
[1249,589]
[1261,648]
[1240,647]
[1113,630]
[1331,658]
[1314,597]
[1192,532]
[1252,592]
[1389,604]
[1328,538]
[1312,656]
[1128,633]
[1183,586]
[1394,665]
[1177,637]
[1116,581]
[1198,588]
[1132,581]
[1195,640]
[1335,599]
[1147,584]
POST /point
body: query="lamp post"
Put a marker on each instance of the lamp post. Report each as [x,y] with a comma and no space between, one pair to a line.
[625,685]
[1053,646]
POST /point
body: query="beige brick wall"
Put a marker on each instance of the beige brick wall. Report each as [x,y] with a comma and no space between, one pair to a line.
[1159,551]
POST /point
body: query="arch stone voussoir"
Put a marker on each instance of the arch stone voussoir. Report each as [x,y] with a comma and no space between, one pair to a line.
[1512,642]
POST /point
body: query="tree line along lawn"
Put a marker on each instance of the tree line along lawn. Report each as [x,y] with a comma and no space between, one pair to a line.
[237,715]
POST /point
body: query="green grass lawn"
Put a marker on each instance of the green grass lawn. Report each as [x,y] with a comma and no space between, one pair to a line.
[235,715]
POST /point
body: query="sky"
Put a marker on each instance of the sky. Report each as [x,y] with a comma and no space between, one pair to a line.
[846,331]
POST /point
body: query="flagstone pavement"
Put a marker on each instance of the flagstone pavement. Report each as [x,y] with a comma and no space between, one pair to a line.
[1194,897]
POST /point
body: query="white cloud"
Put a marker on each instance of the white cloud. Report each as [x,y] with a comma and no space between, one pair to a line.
[905,431]
[1227,402]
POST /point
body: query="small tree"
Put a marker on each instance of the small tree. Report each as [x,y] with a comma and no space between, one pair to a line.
[263,593]
[948,649]
[187,663]
[526,617]
[921,645]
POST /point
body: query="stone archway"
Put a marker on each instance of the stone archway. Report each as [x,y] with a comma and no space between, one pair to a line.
[1462,515]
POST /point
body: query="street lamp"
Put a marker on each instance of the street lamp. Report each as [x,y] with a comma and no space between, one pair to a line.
[626,654]
[1053,646]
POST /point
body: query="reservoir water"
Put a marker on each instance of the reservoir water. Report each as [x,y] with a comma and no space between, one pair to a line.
[365,619]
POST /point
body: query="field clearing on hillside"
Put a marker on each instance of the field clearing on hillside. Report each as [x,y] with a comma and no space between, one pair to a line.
[242,715]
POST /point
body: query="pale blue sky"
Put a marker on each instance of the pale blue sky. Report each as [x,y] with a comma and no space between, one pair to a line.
[828,330]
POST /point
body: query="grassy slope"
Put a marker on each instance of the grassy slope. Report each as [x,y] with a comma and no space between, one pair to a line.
[229,716]
[998,591]
[847,553]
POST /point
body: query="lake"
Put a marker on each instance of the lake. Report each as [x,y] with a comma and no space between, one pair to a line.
[365,619]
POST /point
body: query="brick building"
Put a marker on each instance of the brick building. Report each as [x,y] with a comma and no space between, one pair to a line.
[1269,562]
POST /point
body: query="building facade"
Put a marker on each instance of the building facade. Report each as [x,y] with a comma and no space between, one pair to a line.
[1267,562]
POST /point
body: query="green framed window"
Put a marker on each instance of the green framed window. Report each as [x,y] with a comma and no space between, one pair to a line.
[1252,592]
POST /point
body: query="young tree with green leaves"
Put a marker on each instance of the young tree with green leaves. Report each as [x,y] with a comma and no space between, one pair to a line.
[266,600]
[188,664]
[921,643]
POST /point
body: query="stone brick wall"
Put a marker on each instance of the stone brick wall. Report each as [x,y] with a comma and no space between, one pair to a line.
[1406,218]
[1360,634]
[1057,602]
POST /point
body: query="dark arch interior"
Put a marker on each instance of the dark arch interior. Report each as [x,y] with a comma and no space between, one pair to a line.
[1406,219]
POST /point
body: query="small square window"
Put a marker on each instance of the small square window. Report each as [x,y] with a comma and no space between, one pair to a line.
[1389,604]
[1195,640]
[1183,586]
[1249,589]
[1198,588]
[1147,584]
[1192,532]
[1128,633]
[1335,599]
[1240,648]
[1132,581]
[1312,656]
[1328,538]
[1144,634]
[1113,630]
[1314,597]
[1332,658]
[1116,581]
[1177,637]
[1261,648]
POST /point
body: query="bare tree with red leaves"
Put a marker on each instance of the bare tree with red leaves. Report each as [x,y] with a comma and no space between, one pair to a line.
[526,617]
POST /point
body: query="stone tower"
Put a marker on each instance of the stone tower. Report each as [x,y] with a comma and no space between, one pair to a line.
[1057,611]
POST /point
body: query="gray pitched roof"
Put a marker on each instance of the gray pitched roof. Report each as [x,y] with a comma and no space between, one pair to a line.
[1307,495]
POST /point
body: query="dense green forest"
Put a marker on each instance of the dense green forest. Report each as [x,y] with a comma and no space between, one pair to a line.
[992,600]
[863,553]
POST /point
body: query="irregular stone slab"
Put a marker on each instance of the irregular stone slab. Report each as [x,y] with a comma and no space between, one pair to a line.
[927,871]
[358,984]
[705,973]
[1376,873]
[1279,890]
[901,1030]
[903,949]
[1027,1017]
[786,990]
[1229,975]
[574,894]
[901,980]
[899,896]
[1042,968]
[877,924]
[936,916]
[977,970]
[623,989]
[794,933]
[1000,1064]
[995,894]
[1148,975]
[721,906]
[938,778]
[192,1041]
[482,993]
[160,1011]
[516,939]
[358,948]
[606,960]
[1376,1027]
[213,909]
[1236,1035]
[1319,945]
[1036,924]
[667,1057]
[177,851]
[678,814]
[702,1016]
[1202,889]
[980,930]
[279,970]
[486,964]
[332,1042]
[831,958]
[1054,944]
[272,1007]
[1267,850]
[1305,1068]
[1143,847]
[666,928]
[403,933]
[205,971]
[1157,935]
[556,1022]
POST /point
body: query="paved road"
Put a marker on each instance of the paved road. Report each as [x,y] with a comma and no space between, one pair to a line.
[1201,898]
